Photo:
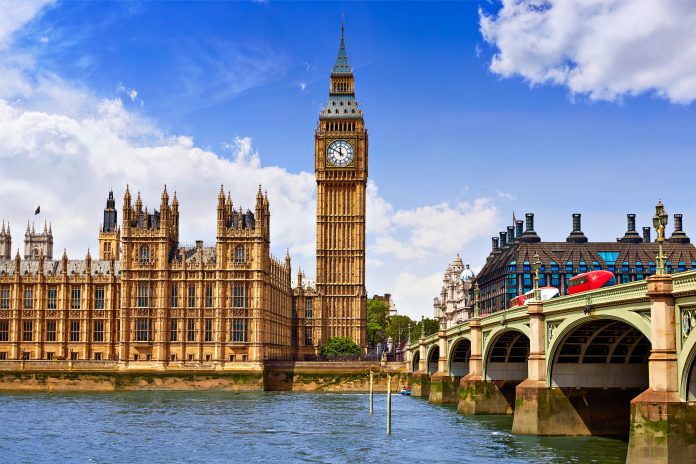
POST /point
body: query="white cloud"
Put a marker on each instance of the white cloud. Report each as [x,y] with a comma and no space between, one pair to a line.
[605,49]
[14,14]
[63,147]
[303,86]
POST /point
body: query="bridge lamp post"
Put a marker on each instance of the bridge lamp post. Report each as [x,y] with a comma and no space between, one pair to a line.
[660,220]
[477,293]
[536,266]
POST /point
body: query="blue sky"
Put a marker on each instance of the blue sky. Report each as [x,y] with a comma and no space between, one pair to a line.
[457,142]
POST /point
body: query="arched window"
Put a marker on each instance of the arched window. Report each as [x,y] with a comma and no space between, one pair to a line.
[144,254]
[239,256]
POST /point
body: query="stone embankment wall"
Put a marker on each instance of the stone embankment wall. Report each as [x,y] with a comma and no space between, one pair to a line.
[281,376]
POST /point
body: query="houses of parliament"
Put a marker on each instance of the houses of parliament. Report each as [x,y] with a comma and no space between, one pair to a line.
[147,299]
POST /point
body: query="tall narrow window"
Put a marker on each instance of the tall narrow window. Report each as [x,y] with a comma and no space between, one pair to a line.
[52,298]
[191,330]
[241,296]
[240,330]
[4,330]
[239,255]
[99,298]
[50,331]
[208,331]
[143,293]
[98,331]
[208,296]
[175,296]
[74,331]
[308,338]
[173,335]
[28,331]
[29,298]
[192,296]
[5,298]
[143,329]
[309,308]
[75,296]
[144,254]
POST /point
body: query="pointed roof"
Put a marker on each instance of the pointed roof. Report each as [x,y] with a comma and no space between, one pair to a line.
[342,66]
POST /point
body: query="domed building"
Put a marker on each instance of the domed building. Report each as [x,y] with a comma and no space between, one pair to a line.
[455,303]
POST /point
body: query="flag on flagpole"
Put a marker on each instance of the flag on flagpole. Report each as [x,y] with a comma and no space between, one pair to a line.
[38,210]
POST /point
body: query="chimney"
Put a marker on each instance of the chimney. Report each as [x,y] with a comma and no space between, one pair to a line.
[529,236]
[631,236]
[576,236]
[530,222]
[646,235]
[678,236]
[503,239]
[494,242]
[519,225]
[511,233]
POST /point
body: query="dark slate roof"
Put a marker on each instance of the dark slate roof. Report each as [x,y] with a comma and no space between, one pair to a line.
[342,66]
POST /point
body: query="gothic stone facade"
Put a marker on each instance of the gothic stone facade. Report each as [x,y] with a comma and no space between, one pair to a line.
[149,299]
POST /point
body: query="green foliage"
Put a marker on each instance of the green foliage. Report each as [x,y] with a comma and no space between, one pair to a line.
[398,327]
[340,347]
[377,317]
[431,327]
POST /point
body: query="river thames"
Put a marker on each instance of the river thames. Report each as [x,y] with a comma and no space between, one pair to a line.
[217,427]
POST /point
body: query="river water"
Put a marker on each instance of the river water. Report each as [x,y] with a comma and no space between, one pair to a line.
[222,427]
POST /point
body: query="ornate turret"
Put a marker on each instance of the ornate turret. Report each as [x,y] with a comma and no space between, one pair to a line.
[5,242]
[110,233]
[38,243]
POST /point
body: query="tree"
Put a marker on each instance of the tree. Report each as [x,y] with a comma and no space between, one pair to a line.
[340,347]
[398,327]
[377,317]
[431,327]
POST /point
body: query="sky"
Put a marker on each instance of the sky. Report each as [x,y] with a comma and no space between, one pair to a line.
[475,110]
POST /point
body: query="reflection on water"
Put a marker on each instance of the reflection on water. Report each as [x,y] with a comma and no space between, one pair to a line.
[167,427]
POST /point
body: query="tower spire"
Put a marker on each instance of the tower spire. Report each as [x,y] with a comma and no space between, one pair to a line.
[342,66]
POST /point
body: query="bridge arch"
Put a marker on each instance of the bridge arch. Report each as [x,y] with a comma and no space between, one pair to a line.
[505,353]
[433,356]
[600,364]
[571,324]
[458,357]
[687,368]
[415,363]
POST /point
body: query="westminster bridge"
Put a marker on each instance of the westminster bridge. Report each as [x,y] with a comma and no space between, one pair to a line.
[617,361]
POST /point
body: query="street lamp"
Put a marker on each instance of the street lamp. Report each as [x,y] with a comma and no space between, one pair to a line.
[477,293]
[659,222]
[536,266]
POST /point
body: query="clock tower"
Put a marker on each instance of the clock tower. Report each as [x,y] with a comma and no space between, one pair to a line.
[340,160]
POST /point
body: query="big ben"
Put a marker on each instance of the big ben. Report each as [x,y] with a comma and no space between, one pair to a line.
[341,173]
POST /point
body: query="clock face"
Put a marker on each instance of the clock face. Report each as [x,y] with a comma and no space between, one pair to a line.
[340,153]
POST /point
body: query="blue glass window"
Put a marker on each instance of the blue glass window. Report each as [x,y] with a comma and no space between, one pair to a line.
[639,266]
[681,267]
[512,266]
[569,267]
[652,267]
[583,266]
[596,266]
[669,267]
[527,281]
[624,266]
[611,268]
[542,280]
[526,267]
[609,257]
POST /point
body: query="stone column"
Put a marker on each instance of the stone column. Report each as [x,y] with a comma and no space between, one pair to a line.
[443,388]
[420,380]
[662,428]
[476,394]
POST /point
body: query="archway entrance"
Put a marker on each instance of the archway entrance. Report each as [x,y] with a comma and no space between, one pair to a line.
[432,360]
[416,362]
[601,366]
[459,360]
[506,363]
